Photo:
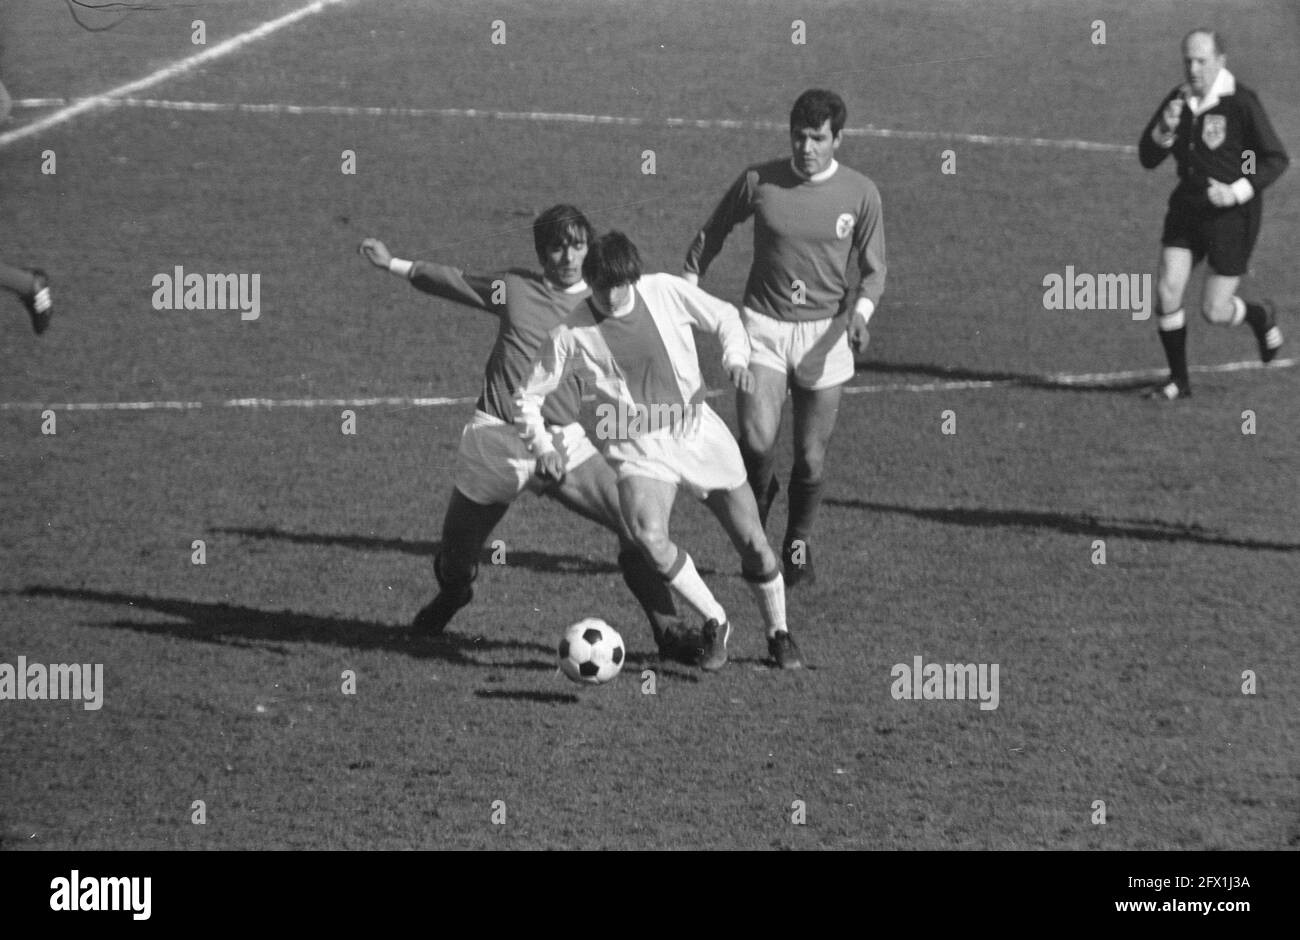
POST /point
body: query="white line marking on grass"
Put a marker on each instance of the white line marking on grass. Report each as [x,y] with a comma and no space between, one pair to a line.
[558,117]
[1100,379]
[1090,378]
[83,105]
[395,400]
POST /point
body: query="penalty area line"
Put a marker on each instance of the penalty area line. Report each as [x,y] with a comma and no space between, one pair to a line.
[559,117]
[84,105]
[390,400]
[1098,379]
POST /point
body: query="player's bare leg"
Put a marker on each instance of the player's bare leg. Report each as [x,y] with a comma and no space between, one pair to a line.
[1221,306]
[465,530]
[1171,321]
[591,490]
[815,414]
[737,511]
[647,505]
[759,414]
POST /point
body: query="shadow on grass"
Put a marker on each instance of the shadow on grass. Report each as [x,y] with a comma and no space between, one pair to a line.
[518,558]
[1021,380]
[545,698]
[1073,524]
[238,626]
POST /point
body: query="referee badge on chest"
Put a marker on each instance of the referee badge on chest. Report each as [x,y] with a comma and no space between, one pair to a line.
[844,225]
[1214,130]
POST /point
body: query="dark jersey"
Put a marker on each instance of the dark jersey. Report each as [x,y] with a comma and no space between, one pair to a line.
[528,308]
[805,233]
[1213,144]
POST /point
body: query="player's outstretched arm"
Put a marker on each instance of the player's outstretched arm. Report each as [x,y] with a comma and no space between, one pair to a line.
[482,292]
[376,252]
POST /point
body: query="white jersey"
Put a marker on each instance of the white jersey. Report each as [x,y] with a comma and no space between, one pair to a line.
[641,363]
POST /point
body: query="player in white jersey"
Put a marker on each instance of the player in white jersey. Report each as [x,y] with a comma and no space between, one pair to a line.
[631,344]
[493,467]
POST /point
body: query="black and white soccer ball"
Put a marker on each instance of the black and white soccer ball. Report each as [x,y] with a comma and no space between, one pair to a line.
[591,652]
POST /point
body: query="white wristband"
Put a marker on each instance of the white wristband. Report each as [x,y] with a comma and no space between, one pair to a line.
[401,268]
[690,277]
[864,308]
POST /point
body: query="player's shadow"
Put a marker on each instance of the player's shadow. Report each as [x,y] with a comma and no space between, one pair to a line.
[544,698]
[273,631]
[1018,379]
[550,562]
[1071,524]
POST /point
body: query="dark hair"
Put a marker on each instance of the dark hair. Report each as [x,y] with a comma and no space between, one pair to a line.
[561,225]
[1220,47]
[611,260]
[815,107]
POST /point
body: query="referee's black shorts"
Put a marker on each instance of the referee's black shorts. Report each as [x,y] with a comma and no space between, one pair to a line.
[1225,237]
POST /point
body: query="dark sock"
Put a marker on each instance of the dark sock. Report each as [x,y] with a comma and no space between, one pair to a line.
[1257,317]
[450,585]
[650,589]
[805,499]
[1175,344]
[761,470]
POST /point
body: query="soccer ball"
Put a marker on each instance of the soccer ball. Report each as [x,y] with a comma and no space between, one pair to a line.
[591,652]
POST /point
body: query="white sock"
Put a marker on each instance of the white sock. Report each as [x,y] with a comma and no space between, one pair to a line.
[692,589]
[1238,311]
[770,595]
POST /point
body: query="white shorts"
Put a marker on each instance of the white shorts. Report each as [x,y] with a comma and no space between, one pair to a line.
[706,460]
[494,465]
[816,352]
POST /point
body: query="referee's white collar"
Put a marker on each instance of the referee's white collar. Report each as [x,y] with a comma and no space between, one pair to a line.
[817,177]
[1225,83]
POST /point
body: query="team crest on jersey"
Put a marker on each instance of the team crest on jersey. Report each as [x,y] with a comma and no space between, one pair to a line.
[1214,130]
[844,225]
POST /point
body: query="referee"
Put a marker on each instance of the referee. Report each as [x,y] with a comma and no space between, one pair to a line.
[1227,153]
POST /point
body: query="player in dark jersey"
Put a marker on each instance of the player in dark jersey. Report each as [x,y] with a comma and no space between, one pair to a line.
[1227,153]
[493,465]
[811,217]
